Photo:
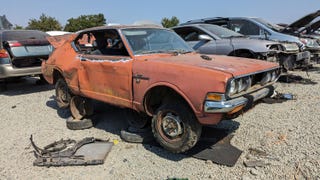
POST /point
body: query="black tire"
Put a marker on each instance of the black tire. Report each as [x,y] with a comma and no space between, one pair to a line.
[80,107]
[188,130]
[136,119]
[75,124]
[245,55]
[63,94]
[133,135]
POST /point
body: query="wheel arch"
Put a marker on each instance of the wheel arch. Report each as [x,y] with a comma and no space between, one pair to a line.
[158,94]
[238,52]
[56,74]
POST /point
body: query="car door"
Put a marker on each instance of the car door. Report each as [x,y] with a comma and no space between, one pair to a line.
[106,77]
[191,36]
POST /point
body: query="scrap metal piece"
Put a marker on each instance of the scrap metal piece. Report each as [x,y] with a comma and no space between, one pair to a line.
[221,152]
[88,151]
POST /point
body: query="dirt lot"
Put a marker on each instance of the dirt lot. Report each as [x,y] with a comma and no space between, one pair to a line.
[287,132]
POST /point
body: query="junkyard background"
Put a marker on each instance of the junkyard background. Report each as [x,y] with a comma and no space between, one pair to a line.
[288,133]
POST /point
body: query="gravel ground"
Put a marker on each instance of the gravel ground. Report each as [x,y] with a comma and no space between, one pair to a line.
[287,132]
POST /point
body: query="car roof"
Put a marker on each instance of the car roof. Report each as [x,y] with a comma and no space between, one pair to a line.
[213,19]
[120,27]
[20,30]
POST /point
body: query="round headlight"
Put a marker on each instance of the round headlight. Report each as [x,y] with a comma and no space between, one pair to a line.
[273,76]
[244,83]
[248,82]
[232,87]
[266,78]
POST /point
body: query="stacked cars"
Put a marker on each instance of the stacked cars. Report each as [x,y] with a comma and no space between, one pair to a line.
[305,31]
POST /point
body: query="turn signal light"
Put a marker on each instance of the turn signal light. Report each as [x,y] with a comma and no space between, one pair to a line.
[3,53]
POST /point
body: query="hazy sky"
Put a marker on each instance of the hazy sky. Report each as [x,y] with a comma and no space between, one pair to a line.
[128,11]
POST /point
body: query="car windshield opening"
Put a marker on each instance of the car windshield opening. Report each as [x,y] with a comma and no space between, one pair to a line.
[152,40]
[269,25]
[220,31]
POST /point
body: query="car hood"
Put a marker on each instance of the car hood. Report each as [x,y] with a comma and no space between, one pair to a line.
[313,27]
[303,21]
[235,66]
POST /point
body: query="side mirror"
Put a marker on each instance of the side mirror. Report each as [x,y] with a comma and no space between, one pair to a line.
[205,37]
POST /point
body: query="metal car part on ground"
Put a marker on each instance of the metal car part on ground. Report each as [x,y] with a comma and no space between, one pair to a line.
[21,52]
[88,151]
[153,71]
[258,28]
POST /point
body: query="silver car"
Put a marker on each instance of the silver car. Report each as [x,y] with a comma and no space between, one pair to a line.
[213,39]
[21,52]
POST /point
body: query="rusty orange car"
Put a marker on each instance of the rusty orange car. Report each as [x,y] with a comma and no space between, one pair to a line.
[152,71]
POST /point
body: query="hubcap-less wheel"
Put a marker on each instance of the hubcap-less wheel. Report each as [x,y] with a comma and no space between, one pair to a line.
[63,95]
[175,127]
[172,125]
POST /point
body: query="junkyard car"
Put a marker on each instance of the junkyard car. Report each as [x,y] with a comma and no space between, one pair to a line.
[21,52]
[213,39]
[304,29]
[260,29]
[152,70]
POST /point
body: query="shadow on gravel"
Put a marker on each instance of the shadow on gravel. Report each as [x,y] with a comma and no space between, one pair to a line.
[290,78]
[315,69]
[113,119]
[106,117]
[19,86]
[214,145]
[63,113]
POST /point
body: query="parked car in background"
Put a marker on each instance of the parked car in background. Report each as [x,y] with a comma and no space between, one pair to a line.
[21,52]
[57,33]
[260,29]
[304,29]
[153,71]
[214,39]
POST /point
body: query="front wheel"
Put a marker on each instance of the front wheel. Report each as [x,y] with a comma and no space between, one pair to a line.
[175,127]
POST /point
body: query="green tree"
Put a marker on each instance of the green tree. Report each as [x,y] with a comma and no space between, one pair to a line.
[17,27]
[168,23]
[45,23]
[84,21]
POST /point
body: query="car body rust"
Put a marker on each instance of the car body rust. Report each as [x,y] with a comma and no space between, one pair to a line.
[126,80]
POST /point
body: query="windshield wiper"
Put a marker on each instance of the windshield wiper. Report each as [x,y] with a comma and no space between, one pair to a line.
[179,51]
[237,36]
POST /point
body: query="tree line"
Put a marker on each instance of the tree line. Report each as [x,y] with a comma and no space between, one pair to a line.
[48,23]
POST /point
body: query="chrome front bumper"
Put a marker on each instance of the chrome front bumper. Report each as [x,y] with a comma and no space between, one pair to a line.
[227,106]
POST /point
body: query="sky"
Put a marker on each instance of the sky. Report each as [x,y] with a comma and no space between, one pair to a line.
[19,12]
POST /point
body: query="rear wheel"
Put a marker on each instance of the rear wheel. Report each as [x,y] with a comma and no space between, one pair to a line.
[175,127]
[63,94]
